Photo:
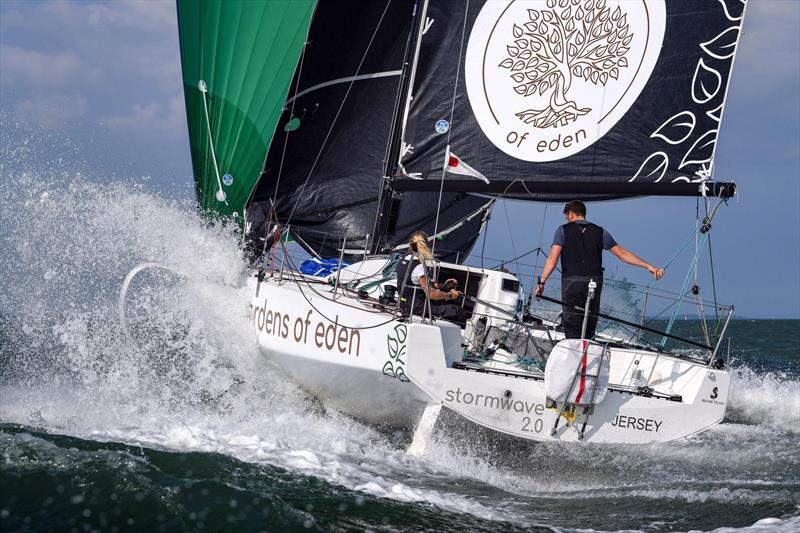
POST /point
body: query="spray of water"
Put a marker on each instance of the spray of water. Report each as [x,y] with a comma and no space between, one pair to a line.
[189,375]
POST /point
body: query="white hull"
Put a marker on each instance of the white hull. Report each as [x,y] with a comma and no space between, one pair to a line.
[517,406]
[367,378]
[389,373]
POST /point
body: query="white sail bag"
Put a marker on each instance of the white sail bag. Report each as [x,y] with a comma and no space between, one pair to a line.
[574,368]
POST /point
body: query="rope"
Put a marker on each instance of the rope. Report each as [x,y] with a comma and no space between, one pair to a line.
[541,236]
[713,277]
[220,193]
[483,244]
[323,315]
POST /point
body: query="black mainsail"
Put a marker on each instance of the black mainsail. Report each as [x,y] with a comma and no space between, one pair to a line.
[558,99]
[324,167]
[416,115]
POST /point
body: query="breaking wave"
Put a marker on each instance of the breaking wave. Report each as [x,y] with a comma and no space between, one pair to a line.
[770,399]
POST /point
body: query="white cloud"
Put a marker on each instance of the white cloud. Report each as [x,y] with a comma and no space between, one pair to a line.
[124,40]
[150,15]
[123,56]
[23,68]
[51,112]
[152,118]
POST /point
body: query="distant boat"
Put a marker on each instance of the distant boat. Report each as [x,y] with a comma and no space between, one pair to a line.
[346,127]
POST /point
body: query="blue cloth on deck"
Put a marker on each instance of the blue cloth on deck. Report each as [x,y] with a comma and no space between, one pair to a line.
[321,267]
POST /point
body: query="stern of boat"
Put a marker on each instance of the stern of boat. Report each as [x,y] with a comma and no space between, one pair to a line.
[683,397]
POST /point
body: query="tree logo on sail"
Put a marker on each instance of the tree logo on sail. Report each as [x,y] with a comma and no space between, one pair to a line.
[548,78]
[590,41]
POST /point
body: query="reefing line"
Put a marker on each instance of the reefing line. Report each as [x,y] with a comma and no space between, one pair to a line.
[220,196]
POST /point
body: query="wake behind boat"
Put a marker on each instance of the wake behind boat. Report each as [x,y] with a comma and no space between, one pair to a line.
[347,129]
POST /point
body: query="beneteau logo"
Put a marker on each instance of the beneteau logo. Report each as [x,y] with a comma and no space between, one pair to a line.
[548,78]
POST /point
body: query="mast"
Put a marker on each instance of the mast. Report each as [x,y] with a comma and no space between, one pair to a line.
[388,200]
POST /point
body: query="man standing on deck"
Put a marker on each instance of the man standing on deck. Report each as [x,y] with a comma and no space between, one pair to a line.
[580,245]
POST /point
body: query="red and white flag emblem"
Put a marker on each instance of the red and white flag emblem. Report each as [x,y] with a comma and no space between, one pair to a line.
[457,166]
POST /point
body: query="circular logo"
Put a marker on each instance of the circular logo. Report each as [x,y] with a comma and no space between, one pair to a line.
[442,126]
[548,78]
[227,179]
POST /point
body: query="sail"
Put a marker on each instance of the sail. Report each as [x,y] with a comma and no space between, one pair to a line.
[323,172]
[565,99]
[238,58]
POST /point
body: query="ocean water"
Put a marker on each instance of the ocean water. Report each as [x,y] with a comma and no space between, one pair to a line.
[180,425]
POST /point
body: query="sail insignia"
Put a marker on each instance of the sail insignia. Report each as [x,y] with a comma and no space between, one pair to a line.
[594,94]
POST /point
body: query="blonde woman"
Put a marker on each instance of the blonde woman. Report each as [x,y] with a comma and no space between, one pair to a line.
[412,280]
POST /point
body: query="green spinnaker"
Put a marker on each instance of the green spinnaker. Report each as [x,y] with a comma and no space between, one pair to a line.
[246,52]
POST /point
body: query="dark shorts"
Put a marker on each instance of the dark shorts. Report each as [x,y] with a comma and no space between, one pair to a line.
[574,291]
[441,309]
[449,311]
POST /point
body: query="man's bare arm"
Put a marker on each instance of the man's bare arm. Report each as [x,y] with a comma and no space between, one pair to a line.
[632,259]
[549,266]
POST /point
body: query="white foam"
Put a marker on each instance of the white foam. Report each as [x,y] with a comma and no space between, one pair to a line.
[199,384]
[765,525]
[767,399]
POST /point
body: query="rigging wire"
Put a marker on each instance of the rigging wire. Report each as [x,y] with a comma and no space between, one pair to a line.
[633,287]
[713,277]
[696,287]
[541,237]
[483,245]
[450,130]
[538,251]
[303,278]
[511,237]
[291,116]
[705,229]
[338,112]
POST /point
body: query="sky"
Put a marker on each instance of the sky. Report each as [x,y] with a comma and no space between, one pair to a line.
[105,77]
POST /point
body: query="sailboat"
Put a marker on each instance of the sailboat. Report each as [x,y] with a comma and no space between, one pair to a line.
[341,128]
